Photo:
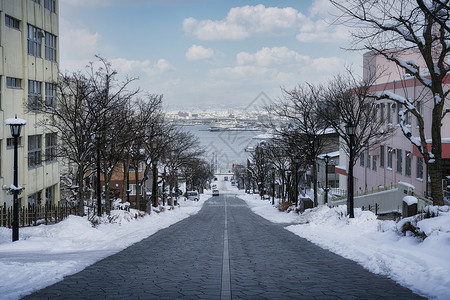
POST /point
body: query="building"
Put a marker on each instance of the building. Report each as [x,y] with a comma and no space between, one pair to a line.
[396,159]
[29,37]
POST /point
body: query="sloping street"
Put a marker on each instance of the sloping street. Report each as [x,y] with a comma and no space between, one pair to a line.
[224,252]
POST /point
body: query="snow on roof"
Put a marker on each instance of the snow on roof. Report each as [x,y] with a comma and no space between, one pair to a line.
[330,154]
[410,200]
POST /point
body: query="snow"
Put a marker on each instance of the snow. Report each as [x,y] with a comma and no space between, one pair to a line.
[410,200]
[46,253]
[379,246]
[15,121]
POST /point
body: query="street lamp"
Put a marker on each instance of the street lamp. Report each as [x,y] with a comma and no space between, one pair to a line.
[15,126]
[98,138]
[288,185]
[296,161]
[327,160]
[350,129]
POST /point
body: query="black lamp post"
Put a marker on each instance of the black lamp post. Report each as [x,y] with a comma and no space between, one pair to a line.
[288,185]
[15,126]
[98,137]
[327,160]
[155,183]
[350,129]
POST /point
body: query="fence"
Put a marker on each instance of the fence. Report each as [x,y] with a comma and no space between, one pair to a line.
[33,215]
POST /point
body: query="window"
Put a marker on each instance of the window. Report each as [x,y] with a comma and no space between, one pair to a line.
[13,83]
[12,22]
[133,189]
[34,151]
[50,46]
[361,159]
[368,159]
[50,147]
[419,174]
[408,118]
[374,162]
[399,161]
[390,110]
[37,1]
[419,107]
[382,156]
[34,95]
[10,142]
[34,40]
[389,162]
[50,94]
[50,5]
[382,113]
[408,156]
[399,108]
[33,199]
[49,196]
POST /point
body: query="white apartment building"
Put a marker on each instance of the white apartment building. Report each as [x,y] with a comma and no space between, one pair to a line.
[396,159]
[29,52]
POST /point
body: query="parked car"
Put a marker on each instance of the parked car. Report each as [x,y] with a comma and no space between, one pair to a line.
[215,192]
[192,195]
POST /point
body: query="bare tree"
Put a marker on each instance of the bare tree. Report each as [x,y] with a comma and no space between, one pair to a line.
[303,128]
[348,100]
[394,28]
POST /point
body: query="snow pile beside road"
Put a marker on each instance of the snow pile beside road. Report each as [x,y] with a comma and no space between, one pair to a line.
[379,246]
[45,254]
[265,209]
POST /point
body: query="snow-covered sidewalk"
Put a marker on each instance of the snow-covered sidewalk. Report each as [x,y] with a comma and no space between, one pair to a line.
[45,254]
[422,266]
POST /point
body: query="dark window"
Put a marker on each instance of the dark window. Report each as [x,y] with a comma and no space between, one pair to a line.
[50,46]
[419,168]
[34,40]
[408,156]
[389,160]
[399,161]
[34,151]
[49,195]
[10,142]
[50,147]
[34,95]
[382,156]
[361,159]
[12,22]
[374,162]
[50,94]
[50,5]
[37,1]
[14,83]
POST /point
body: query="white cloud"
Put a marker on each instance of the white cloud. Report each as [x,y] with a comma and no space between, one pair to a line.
[322,31]
[245,21]
[138,68]
[328,65]
[271,57]
[196,52]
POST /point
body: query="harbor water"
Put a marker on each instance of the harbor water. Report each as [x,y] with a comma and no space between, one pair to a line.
[225,148]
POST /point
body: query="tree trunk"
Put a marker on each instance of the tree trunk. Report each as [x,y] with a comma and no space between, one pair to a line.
[155,185]
[126,174]
[80,183]
[435,168]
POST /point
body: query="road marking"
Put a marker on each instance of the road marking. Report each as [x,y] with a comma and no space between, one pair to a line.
[225,293]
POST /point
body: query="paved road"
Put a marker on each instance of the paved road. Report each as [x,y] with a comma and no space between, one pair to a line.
[224,252]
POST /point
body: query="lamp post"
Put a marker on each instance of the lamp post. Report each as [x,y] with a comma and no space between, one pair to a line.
[288,185]
[15,126]
[327,160]
[155,183]
[296,161]
[98,137]
[350,129]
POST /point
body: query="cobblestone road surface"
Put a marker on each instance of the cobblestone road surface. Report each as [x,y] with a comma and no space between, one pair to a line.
[224,252]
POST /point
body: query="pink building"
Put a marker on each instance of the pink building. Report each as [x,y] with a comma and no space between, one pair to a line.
[397,159]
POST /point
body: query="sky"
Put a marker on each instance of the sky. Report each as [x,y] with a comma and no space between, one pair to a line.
[208,54]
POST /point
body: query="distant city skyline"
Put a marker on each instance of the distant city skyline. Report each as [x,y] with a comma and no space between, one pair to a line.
[202,53]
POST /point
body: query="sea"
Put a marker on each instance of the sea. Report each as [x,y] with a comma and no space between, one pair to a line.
[223,149]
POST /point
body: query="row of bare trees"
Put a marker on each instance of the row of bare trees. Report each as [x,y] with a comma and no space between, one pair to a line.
[96,115]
